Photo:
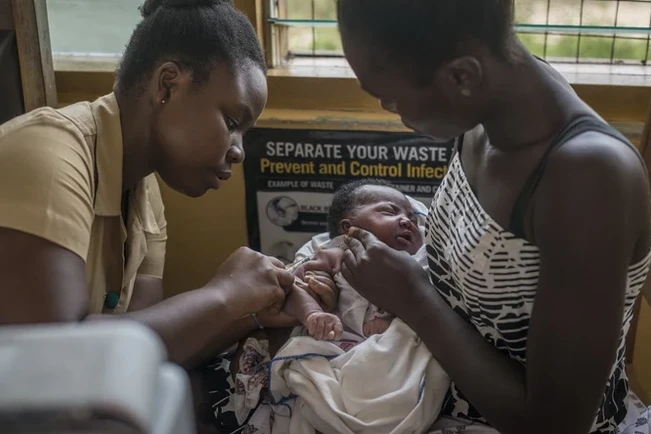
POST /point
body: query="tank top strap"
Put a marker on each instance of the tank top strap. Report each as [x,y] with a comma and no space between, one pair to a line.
[456,148]
[575,128]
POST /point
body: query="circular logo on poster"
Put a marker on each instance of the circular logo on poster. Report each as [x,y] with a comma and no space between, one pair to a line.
[282,211]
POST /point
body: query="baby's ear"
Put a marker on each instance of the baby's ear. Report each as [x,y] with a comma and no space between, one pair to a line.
[345,226]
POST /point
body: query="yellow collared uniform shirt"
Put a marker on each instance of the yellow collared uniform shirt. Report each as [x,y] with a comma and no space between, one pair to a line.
[61,180]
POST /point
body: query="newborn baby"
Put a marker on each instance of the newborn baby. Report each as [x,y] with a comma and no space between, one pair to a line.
[358,331]
[373,205]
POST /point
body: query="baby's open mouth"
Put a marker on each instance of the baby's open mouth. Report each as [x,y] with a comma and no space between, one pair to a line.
[405,237]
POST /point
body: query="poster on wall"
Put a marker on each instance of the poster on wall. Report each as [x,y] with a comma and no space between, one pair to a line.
[290,176]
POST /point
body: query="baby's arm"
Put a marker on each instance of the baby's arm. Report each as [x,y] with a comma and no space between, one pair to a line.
[302,306]
[327,260]
[320,324]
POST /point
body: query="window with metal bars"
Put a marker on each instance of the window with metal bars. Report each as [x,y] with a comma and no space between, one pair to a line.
[561,31]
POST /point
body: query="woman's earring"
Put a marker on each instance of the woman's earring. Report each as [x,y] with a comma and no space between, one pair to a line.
[465,92]
[163,102]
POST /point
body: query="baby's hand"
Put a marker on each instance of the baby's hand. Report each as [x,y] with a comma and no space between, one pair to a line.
[376,326]
[324,326]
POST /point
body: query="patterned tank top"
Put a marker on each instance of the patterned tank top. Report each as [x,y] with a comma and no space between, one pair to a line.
[489,276]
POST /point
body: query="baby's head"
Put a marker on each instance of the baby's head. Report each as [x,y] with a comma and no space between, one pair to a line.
[376,206]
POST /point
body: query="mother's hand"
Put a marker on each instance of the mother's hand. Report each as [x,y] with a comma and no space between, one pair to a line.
[390,279]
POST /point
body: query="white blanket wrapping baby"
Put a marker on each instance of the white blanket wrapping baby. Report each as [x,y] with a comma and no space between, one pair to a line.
[388,383]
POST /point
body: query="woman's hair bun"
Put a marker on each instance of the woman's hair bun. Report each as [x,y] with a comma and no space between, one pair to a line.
[149,7]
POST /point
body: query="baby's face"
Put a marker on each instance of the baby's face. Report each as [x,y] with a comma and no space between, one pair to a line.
[390,217]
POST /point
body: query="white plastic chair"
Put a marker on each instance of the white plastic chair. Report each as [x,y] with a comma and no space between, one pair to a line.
[104,377]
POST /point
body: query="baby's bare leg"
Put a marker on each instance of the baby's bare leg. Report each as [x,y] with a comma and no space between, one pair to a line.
[376,326]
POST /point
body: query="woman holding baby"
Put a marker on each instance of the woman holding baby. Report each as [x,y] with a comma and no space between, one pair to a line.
[538,239]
